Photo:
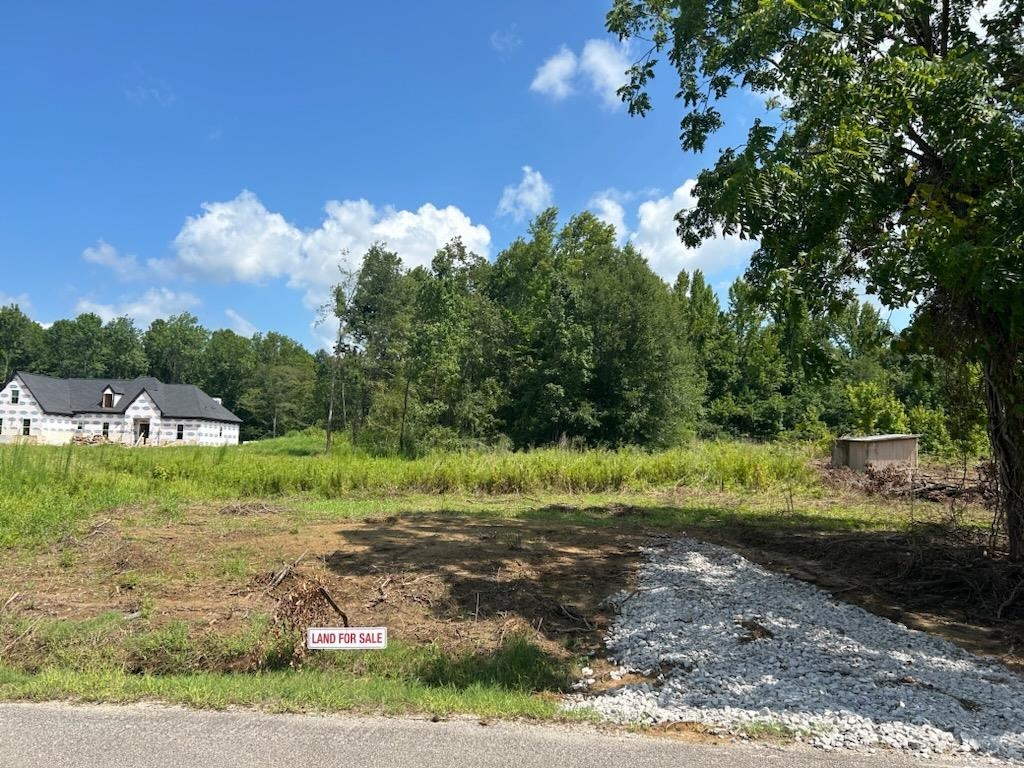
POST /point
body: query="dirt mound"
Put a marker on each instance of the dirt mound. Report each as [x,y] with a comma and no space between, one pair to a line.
[129,556]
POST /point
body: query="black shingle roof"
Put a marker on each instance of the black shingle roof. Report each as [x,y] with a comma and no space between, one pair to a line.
[71,396]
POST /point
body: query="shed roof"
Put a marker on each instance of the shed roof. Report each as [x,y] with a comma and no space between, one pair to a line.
[70,396]
[876,438]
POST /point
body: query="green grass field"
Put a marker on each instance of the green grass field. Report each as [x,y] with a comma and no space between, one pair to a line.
[45,492]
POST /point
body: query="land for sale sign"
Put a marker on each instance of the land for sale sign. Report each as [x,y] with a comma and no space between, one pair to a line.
[346,638]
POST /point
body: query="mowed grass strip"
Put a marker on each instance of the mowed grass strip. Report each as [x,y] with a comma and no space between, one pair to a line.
[278,691]
[45,492]
[109,659]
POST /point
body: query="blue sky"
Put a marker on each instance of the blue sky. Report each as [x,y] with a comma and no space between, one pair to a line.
[218,157]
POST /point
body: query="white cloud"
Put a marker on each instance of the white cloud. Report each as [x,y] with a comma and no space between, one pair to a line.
[602,62]
[124,267]
[554,77]
[151,92]
[505,40]
[241,240]
[352,226]
[144,309]
[608,208]
[605,64]
[657,239]
[22,300]
[238,240]
[239,324]
[531,196]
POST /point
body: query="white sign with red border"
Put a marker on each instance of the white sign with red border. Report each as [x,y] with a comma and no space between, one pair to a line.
[346,638]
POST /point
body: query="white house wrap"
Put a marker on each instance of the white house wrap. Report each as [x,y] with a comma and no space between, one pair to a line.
[144,410]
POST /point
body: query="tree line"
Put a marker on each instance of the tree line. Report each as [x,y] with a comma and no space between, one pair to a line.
[267,380]
[567,337]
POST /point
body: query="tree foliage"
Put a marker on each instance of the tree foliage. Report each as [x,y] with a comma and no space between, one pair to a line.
[896,160]
[567,336]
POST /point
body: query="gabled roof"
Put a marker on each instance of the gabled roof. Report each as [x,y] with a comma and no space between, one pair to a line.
[71,396]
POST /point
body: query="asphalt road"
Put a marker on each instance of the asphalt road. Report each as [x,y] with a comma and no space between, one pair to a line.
[151,736]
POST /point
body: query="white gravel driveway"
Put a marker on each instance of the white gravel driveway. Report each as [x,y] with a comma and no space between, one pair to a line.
[735,644]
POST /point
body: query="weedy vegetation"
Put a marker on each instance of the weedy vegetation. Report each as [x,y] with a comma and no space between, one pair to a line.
[45,492]
[490,565]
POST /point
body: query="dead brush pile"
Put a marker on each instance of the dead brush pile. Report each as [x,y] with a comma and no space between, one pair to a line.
[941,566]
[302,601]
[953,563]
[939,484]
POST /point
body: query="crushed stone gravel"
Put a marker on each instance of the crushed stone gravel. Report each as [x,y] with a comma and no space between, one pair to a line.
[730,645]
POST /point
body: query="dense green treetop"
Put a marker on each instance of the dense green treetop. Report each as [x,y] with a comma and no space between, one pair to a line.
[897,154]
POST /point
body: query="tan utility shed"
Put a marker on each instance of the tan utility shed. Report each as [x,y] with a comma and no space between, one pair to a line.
[859,453]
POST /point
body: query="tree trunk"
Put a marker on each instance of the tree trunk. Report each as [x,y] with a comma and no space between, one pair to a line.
[405,410]
[330,407]
[1004,395]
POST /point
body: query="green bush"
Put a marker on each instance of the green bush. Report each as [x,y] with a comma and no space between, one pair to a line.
[930,424]
[873,410]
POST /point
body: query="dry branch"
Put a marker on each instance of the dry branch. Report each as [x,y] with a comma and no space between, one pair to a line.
[283,573]
[20,637]
[1011,599]
[576,617]
[344,616]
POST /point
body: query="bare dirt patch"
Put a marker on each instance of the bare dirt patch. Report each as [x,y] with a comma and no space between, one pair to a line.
[452,580]
[471,582]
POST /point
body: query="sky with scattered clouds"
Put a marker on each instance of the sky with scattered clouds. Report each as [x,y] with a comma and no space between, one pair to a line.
[192,157]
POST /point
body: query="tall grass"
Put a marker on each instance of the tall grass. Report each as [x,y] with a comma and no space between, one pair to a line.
[45,491]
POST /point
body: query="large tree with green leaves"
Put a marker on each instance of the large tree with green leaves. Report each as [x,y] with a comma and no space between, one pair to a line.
[377,317]
[21,342]
[124,357]
[279,394]
[897,159]
[226,366]
[174,348]
[455,325]
[592,345]
[75,348]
